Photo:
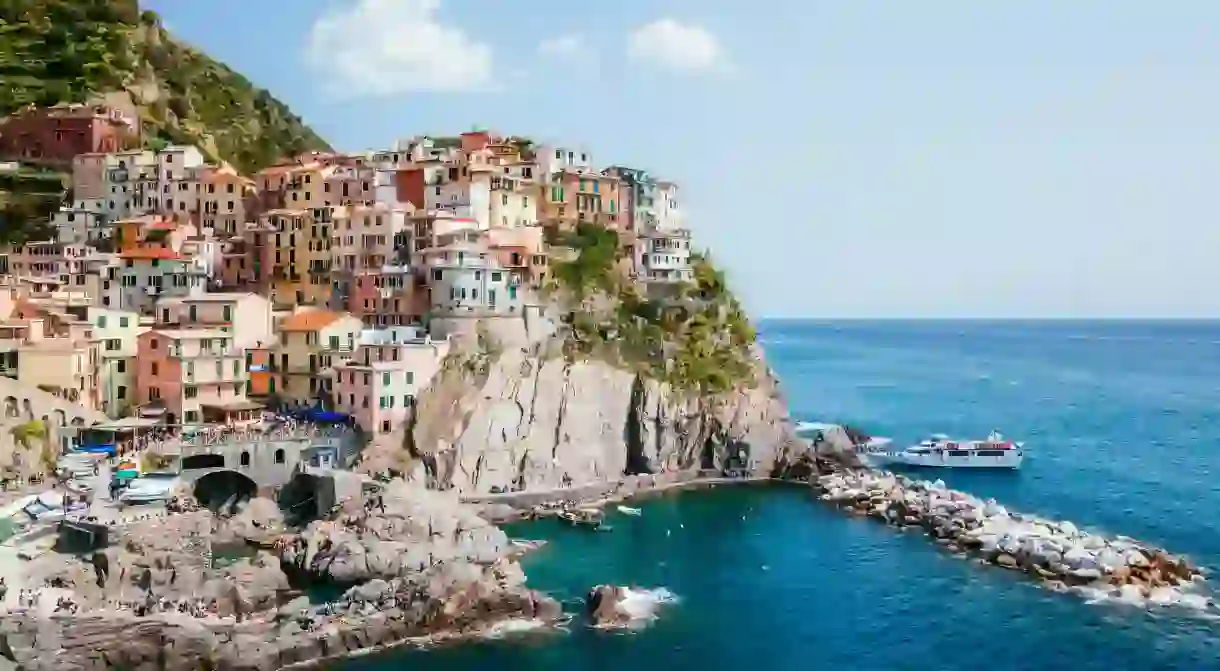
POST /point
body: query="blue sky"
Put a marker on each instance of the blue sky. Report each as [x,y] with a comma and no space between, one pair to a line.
[845,158]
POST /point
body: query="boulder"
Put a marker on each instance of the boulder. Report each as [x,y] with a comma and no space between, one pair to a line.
[603,605]
[1006,560]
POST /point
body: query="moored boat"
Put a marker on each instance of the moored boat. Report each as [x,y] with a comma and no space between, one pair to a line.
[941,451]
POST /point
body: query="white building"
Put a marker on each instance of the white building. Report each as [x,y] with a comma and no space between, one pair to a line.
[663,256]
[464,277]
[667,211]
[553,159]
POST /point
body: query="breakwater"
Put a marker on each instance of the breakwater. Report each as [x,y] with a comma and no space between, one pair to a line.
[1057,553]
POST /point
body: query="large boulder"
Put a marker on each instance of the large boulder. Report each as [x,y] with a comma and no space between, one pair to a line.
[604,606]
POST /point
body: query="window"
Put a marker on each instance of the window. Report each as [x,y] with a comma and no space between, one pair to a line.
[227,313]
[410,377]
[192,416]
[153,368]
[279,456]
[190,391]
[381,402]
[385,426]
[154,393]
[122,392]
[334,342]
[101,322]
[120,367]
[236,368]
[194,312]
[220,369]
[245,458]
[123,321]
[112,344]
[495,277]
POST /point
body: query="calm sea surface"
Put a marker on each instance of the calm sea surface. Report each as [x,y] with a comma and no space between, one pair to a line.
[1122,425]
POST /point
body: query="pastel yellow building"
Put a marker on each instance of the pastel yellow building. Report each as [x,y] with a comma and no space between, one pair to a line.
[311,342]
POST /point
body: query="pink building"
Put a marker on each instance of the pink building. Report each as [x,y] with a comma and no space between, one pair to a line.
[183,374]
[379,385]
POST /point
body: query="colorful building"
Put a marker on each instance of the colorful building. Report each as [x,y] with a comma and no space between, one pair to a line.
[117,333]
[378,386]
[311,342]
[181,373]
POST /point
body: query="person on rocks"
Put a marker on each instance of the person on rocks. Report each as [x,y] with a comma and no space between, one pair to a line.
[101,568]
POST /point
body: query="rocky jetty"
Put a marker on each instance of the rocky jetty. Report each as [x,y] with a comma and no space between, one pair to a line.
[1057,553]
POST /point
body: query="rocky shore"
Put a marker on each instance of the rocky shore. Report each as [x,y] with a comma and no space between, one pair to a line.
[1058,554]
[411,564]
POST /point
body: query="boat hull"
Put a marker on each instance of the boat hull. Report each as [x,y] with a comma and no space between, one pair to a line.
[890,459]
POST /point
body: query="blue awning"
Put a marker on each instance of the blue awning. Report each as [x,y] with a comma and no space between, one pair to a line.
[108,449]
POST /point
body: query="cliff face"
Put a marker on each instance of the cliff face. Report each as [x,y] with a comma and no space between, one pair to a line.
[528,421]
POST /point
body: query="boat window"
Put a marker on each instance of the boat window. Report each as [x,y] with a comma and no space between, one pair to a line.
[991,453]
[959,453]
[919,450]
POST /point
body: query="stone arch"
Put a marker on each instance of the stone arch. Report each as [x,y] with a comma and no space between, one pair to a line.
[11,407]
[215,489]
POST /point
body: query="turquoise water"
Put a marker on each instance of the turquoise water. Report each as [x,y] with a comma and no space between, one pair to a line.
[1122,422]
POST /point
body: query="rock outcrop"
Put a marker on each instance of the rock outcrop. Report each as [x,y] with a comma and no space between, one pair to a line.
[529,420]
[416,563]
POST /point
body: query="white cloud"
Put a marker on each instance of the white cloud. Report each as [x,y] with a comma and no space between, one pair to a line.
[569,46]
[676,46]
[386,47]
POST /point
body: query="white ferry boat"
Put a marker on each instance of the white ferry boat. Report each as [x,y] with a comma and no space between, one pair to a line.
[941,451]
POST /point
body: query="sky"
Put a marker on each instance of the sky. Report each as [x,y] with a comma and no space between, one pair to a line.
[845,158]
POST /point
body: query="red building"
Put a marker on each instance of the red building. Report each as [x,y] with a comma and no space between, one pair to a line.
[59,134]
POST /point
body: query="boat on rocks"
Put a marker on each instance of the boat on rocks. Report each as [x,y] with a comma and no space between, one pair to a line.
[941,451]
[1059,554]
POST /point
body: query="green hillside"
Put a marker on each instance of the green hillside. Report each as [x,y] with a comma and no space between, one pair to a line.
[54,51]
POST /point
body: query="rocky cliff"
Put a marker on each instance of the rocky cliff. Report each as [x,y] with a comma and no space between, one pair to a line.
[529,420]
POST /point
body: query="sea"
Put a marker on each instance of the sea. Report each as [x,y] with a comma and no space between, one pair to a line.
[1121,422]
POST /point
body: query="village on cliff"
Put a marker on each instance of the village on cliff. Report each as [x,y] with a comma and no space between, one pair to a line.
[178,293]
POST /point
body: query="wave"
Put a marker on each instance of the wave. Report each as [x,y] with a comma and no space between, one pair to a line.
[516,626]
[642,606]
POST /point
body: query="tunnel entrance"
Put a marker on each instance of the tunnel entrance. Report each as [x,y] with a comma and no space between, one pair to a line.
[221,491]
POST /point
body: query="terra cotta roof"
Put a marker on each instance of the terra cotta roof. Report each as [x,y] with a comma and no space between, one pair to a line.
[310,320]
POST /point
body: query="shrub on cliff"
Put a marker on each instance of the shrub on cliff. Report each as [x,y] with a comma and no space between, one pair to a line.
[697,339]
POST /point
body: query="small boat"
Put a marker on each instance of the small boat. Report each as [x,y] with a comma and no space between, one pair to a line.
[941,451]
[634,512]
[583,517]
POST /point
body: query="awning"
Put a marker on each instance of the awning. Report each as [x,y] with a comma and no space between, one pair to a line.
[125,424]
[126,475]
